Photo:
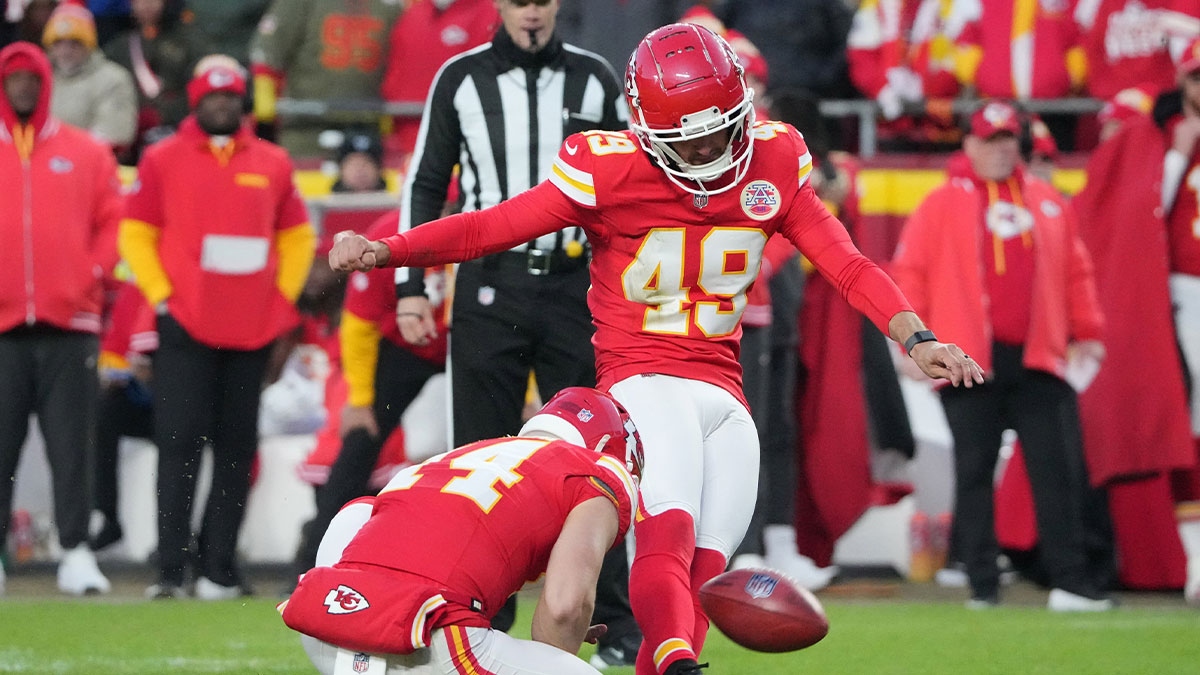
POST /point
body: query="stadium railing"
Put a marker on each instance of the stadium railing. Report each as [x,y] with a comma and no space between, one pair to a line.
[866,111]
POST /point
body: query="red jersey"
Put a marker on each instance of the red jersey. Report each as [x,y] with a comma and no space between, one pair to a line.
[130,328]
[1126,42]
[670,270]
[482,519]
[1183,220]
[371,296]
[422,39]
[1024,48]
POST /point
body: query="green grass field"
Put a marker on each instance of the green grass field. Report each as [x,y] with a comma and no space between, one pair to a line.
[103,636]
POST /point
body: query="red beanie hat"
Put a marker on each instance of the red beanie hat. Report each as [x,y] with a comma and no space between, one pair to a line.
[213,74]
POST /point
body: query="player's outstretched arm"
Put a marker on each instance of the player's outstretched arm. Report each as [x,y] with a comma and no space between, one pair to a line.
[938,360]
[564,611]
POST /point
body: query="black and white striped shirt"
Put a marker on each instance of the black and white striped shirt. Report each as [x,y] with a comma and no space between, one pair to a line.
[500,114]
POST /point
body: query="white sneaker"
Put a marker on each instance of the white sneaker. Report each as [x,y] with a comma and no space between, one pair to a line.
[1066,601]
[161,591]
[951,577]
[982,604]
[211,590]
[747,560]
[803,570]
[78,573]
[1191,590]
[779,542]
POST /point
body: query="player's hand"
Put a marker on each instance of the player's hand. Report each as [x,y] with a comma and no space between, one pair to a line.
[356,417]
[594,633]
[414,318]
[941,360]
[353,252]
[1088,349]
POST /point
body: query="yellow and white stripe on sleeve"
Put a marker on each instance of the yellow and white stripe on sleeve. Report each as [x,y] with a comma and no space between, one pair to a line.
[618,469]
[576,184]
[806,167]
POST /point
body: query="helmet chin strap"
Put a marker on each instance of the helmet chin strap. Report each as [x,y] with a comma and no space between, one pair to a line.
[701,172]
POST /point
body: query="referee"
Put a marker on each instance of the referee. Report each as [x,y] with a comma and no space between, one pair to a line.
[500,112]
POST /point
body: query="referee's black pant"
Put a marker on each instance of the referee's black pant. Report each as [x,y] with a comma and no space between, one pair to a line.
[1041,408]
[507,322]
[203,396]
[50,372]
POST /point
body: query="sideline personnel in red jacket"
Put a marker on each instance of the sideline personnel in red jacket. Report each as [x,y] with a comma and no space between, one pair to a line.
[1015,306]
[219,242]
[58,219]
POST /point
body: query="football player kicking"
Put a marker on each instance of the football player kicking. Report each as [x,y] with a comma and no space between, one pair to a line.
[408,581]
[677,211]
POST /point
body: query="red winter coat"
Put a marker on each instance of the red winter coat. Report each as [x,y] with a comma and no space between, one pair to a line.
[938,266]
[59,211]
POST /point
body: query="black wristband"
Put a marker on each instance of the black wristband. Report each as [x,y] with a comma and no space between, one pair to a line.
[917,338]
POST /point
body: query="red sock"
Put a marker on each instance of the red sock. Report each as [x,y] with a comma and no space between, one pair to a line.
[660,590]
[706,564]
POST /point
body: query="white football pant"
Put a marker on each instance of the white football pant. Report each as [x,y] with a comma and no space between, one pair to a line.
[701,450]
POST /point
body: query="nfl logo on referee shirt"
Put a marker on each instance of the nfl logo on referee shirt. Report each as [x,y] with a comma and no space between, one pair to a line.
[761,585]
[487,295]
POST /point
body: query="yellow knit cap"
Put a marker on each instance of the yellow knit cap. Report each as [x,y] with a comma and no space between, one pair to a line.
[70,22]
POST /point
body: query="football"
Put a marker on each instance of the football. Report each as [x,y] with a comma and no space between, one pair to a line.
[764,610]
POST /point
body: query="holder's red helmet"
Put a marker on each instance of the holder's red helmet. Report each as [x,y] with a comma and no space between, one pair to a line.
[591,419]
[684,82]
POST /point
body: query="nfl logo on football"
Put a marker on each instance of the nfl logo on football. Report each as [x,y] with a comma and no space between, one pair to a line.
[761,585]
[362,663]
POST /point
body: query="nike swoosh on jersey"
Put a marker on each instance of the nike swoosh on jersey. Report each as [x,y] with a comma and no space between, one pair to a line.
[571,149]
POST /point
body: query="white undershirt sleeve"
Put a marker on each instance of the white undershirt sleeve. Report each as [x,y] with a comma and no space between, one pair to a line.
[1174,164]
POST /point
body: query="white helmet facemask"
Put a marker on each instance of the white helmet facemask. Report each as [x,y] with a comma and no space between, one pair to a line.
[693,177]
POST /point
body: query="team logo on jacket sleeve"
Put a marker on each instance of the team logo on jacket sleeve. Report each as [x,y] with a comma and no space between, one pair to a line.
[345,600]
[760,200]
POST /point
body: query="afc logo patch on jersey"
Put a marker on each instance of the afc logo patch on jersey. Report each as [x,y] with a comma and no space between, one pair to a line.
[760,200]
[345,600]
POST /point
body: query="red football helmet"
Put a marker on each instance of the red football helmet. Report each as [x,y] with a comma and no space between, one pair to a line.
[591,419]
[684,82]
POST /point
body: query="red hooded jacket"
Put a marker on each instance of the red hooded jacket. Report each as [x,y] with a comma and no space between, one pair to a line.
[937,266]
[59,214]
